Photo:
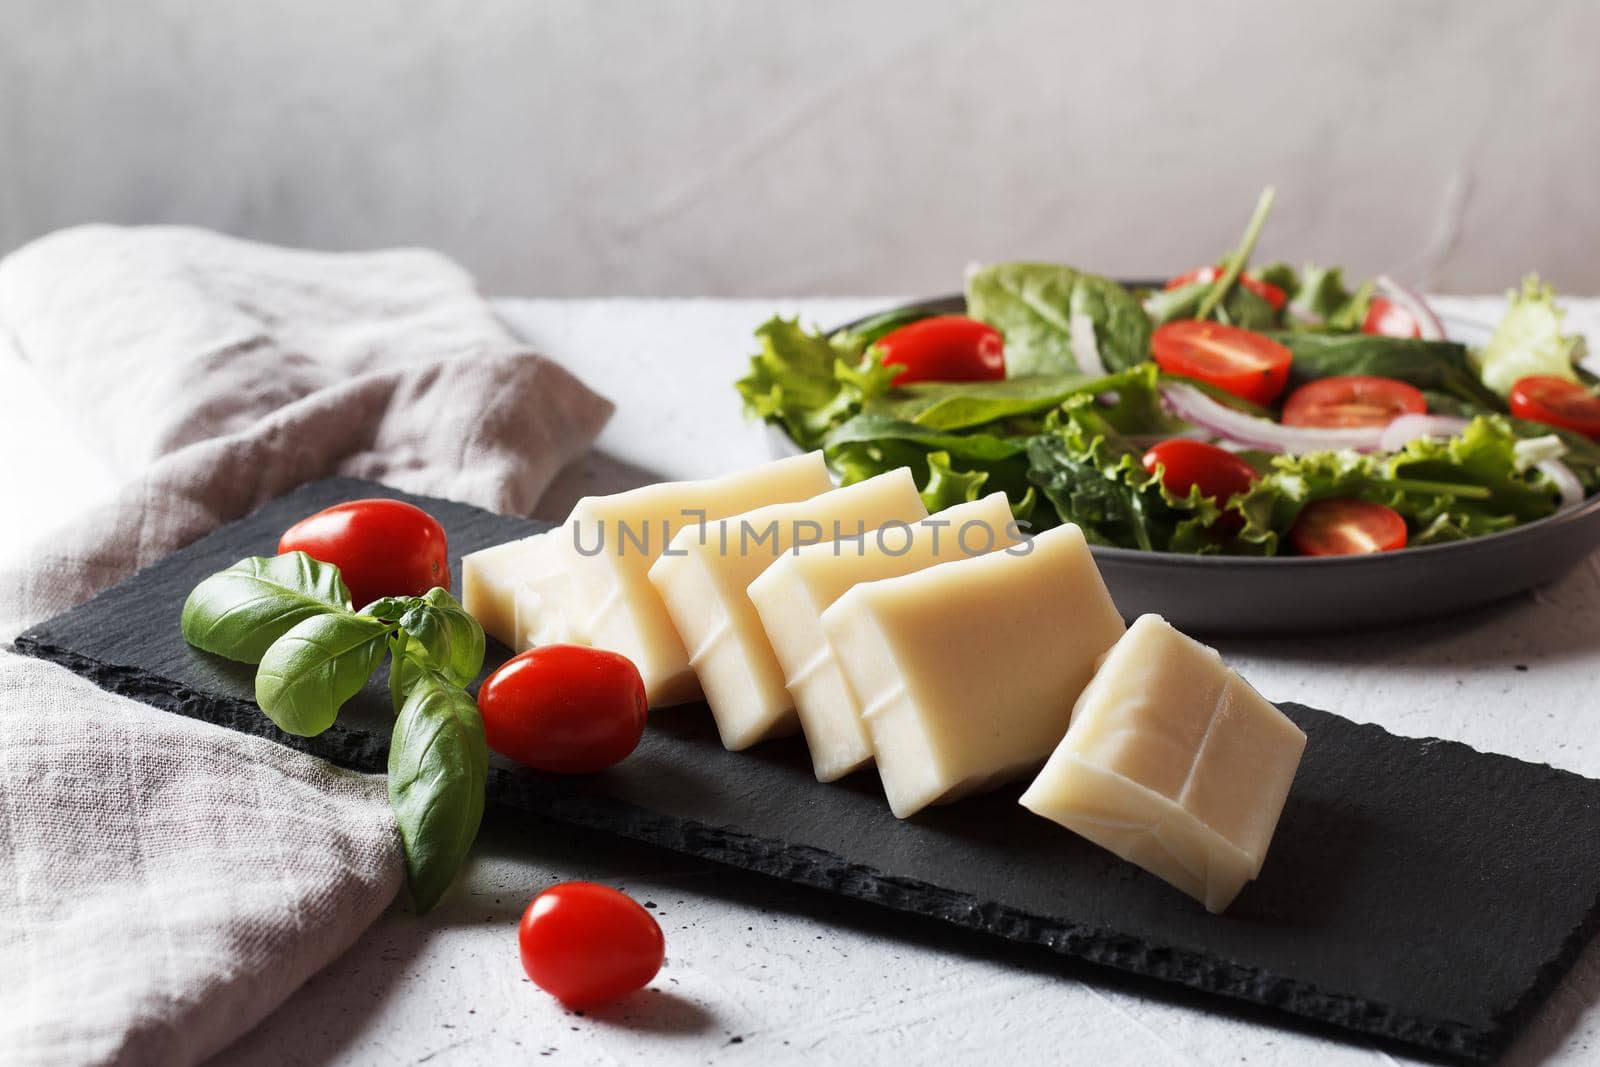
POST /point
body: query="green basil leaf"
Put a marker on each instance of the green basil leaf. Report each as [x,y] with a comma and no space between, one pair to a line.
[443,636]
[438,768]
[307,674]
[240,612]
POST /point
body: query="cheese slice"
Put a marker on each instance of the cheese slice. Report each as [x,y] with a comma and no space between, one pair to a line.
[614,540]
[967,671]
[1174,763]
[489,582]
[791,595]
[704,580]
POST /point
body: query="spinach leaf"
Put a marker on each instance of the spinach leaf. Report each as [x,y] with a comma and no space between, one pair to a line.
[1436,365]
[878,327]
[322,661]
[1033,305]
[960,405]
[240,612]
[810,382]
[438,768]
[875,427]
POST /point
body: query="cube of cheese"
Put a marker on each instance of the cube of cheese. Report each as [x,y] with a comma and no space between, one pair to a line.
[587,580]
[967,671]
[1174,763]
[792,594]
[704,579]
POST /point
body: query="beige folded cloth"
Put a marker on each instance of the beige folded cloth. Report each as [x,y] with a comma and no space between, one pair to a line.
[164,884]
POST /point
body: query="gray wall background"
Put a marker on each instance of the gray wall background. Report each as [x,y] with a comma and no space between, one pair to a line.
[751,147]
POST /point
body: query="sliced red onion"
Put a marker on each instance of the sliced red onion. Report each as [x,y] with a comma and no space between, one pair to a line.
[1085,347]
[1427,322]
[1407,428]
[1187,402]
[1565,481]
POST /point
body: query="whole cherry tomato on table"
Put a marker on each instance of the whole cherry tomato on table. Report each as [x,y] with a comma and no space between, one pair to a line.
[1388,319]
[585,944]
[381,547]
[1341,527]
[1556,402]
[564,708]
[1352,400]
[1273,295]
[1241,362]
[945,348]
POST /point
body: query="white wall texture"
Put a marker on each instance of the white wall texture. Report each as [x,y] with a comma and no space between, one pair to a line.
[561,147]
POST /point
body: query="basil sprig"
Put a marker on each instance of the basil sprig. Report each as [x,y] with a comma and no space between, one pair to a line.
[293,616]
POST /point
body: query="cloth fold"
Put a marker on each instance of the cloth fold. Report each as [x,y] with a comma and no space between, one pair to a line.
[164,884]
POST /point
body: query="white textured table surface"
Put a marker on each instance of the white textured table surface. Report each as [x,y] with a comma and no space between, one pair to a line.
[759,969]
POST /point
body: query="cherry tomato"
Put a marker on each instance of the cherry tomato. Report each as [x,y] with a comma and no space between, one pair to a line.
[1352,400]
[1265,290]
[585,944]
[1185,464]
[945,348]
[564,708]
[1388,319]
[1340,527]
[1556,402]
[381,547]
[1245,364]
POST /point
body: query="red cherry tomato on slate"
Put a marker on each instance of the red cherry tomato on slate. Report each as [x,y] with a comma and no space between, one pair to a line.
[1185,464]
[1243,363]
[1388,319]
[1352,400]
[945,348]
[585,944]
[381,547]
[1265,290]
[564,708]
[1556,402]
[1340,527]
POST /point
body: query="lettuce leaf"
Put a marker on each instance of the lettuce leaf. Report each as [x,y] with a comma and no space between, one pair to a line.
[808,381]
[1033,305]
[1529,341]
[1472,484]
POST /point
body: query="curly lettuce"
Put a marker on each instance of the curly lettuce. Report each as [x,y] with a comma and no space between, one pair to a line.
[1529,341]
[810,382]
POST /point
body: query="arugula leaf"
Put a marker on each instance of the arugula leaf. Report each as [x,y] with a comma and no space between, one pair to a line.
[306,675]
[1234,264]
[438,769]
[1033,305]
[1529,341]
[1435,365]
[810,382]
[240,612]
[1240,307]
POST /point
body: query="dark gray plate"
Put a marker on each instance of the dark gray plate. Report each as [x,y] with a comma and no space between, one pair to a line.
[1230,594]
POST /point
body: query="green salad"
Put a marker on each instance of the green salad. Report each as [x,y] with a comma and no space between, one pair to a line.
[1238,409]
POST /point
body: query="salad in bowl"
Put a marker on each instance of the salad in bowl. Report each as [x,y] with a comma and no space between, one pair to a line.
[1238,410]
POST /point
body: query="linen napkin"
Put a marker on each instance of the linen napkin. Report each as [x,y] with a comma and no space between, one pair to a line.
[164,884]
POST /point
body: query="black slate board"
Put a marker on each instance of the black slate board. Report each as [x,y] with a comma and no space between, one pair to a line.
[1417,890]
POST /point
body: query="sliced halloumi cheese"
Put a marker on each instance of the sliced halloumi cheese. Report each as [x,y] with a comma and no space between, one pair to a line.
[967,671]
[791,595]
[1173,762]
[615,540]
[704,580]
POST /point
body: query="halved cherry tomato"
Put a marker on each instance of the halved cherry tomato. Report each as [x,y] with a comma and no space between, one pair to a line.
[1245,364]
[564,708]
[1265,290]
[381,547]
[1185,464]
[585,944]
[1352,400]
[1388,319]
[945,348]
[1341,527]
[1556,402]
